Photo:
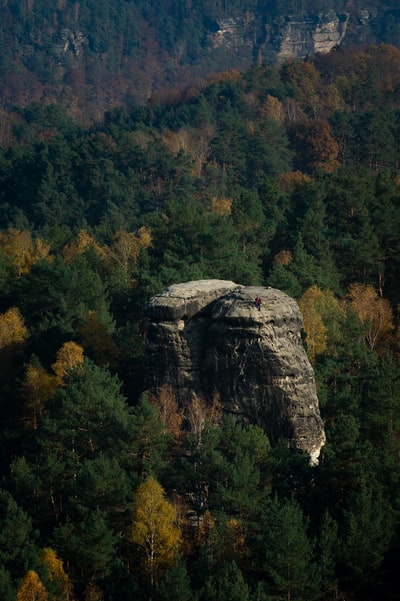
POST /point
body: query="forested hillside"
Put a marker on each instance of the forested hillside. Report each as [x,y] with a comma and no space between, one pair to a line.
[285,177]
[93,55]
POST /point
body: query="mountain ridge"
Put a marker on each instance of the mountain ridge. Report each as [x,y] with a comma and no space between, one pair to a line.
[91,57]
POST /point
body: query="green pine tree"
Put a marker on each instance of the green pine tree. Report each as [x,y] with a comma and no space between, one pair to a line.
[289,553]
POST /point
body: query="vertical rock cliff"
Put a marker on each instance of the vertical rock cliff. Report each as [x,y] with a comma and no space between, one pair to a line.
[287,37]
[208,338]
[302,35]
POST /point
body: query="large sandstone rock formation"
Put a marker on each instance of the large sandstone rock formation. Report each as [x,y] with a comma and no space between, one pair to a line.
[207,337]
[302,35]
[287,37]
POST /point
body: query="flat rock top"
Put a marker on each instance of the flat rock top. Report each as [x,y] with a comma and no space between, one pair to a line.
[231,300]
[184,300]
[197,287]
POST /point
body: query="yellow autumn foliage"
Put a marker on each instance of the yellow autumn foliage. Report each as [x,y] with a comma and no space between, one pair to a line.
[68,357]
[12,338]
[125,249]
[273,109]
[38,387]
[154,529]
[321,314]
[83,242]
[12,328]
[56,573]
[22,251]
[312,323]
[221,205]
[374,312]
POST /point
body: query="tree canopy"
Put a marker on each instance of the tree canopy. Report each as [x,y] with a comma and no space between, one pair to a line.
[284,177]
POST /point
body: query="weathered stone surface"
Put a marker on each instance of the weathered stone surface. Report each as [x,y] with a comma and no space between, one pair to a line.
[182,301]
[206,337]
[288,37]
[302,35]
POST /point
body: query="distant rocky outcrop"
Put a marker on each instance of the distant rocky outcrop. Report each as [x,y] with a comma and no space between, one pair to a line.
[208,338]
[70,41]
[288,37]
[248,36]
[302,35]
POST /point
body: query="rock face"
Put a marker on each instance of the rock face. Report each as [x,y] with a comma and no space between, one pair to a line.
[207,337]
[252,35]
[299,36]
[287,37]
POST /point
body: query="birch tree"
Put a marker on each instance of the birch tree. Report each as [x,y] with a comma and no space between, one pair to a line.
[154,529]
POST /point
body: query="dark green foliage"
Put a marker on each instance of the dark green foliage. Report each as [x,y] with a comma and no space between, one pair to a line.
[208,173]
[367,536]
[285,280]
[56,298]
[326,555]
[17,549]
[196,243]
[229,146]
[229,471]
[121,582]
[7,590]
[227,584]
[88,543]
[289,554]
[150,439]
[349,203]
[175,584]
[250,223]
[81,470]
[242,458]
[313,240]
[268,152]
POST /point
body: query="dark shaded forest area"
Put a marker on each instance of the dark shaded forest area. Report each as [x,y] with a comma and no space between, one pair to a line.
[285,177]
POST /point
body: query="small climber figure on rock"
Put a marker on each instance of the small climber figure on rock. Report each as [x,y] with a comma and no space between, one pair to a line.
[258,302]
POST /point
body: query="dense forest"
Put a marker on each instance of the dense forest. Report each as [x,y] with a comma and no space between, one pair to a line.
[287,177]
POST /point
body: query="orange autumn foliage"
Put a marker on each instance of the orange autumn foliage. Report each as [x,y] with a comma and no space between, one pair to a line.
[374,312]
[32,589]
[168,410]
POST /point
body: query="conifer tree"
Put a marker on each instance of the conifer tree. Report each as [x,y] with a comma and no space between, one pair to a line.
[175,584]
[228,584]
[7,592]
[17,550]
[289,561]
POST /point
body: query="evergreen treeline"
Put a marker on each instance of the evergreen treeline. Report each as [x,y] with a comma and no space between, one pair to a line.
[286,178]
